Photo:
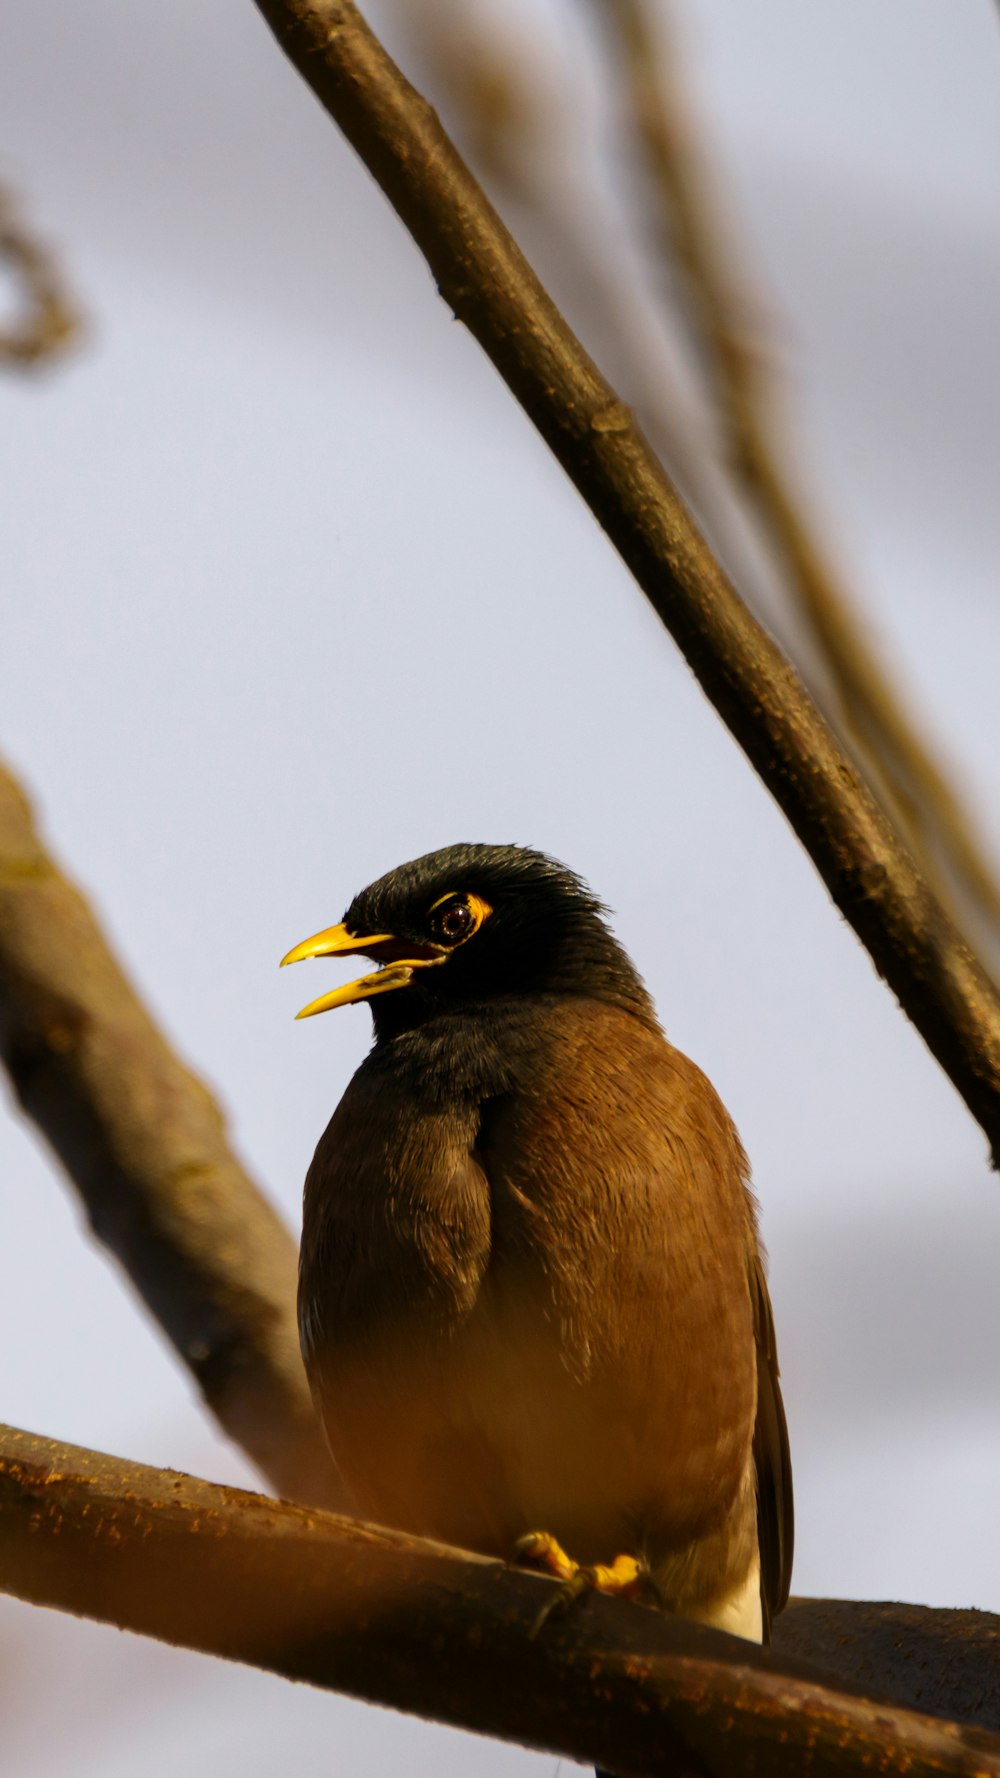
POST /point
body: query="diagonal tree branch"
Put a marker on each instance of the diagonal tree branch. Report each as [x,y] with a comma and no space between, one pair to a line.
[890,746]
[435,1631]
[485,279]
[145,1145]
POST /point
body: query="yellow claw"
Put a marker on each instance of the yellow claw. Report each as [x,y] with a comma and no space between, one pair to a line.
[625,1576]
[541,1550]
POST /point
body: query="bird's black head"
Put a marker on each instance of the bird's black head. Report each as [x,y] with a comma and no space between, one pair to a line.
[471,924]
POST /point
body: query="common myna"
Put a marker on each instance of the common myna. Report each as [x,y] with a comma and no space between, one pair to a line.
[531,1296]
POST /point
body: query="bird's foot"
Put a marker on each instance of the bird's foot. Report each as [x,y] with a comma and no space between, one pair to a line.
[625,1576]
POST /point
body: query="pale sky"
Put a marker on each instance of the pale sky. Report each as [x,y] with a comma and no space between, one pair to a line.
[293,594]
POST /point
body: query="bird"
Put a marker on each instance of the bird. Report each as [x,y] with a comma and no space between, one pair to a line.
[532,1298]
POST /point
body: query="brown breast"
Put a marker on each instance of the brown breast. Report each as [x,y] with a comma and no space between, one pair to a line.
[529,1308]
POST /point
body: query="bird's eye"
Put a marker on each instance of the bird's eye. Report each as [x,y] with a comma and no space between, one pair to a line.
[453,921]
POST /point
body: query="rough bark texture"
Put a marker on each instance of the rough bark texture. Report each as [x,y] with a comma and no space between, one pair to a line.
[145,1145]
[485,279]
[946,1663]
[434,1631]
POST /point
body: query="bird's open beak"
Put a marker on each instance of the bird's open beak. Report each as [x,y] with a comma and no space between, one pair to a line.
[397,959]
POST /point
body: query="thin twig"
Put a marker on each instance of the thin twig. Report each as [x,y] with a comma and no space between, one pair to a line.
[435,1631]
[49,323]
[488,284]
[145,1145]
[884,734]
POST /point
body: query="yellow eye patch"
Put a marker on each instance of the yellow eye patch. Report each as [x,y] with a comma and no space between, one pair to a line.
[458,917]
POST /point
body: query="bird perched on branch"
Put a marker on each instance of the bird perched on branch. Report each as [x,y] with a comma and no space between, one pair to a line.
[531,1297]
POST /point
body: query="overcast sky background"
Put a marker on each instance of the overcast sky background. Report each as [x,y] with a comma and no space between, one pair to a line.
[292,593]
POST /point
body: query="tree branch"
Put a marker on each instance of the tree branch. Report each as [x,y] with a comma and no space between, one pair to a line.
[485,279]
[404,1622]
[144,1143]
[946,1663]
[927,807]
[49,323]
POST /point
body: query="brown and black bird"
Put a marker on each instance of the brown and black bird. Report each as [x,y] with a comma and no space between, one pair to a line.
[531,1298]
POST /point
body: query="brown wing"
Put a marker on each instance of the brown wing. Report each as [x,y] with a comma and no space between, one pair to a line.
[772,1460]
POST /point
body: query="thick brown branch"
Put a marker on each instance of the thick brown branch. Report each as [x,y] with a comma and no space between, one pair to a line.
[431,1630]
[946,1663]
[144,1143]
[489,285]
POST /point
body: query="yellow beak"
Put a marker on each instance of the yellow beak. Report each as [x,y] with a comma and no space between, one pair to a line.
[337,941]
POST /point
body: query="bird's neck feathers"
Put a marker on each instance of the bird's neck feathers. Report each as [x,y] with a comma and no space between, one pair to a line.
[587,960]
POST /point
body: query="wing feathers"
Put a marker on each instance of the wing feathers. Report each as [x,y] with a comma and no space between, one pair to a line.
[772,1460]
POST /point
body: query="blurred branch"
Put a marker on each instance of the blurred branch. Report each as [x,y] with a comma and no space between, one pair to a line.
[49,322]
[496,93]
[485,279]
[144,1143]
[886,738]
[516,122]
[401,1621]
